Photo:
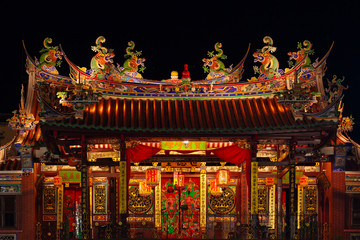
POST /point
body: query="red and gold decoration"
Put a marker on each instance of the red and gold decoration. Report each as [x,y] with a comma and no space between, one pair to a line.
[57,181]
[152,177]
[144,189]
[222,178]
[215,190]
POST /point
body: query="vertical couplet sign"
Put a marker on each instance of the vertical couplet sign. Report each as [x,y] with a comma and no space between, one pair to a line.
[202,197]
[272,207]
[254,188]
[292,189]
[300,205]
[122,188]
[158,205]
[59,207]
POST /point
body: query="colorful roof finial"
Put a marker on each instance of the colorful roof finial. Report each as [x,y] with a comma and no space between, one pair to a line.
[50,57]
[133,61]
[304,51]
[101,63]
[22,121]
[214,66]
[186,73]
[270,64]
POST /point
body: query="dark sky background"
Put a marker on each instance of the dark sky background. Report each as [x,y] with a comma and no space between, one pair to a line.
[174,33]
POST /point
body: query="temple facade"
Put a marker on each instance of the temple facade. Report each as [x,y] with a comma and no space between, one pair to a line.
[103,153]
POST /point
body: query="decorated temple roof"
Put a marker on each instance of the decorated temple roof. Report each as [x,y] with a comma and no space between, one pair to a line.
[117,97]
[199,116]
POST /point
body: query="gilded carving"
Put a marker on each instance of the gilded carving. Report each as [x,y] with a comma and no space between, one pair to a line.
[100,199]
[224,203]
[310,205]
[139,204]
[49,205]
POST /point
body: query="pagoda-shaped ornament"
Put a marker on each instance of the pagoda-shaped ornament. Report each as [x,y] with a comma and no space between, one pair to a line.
[22,121]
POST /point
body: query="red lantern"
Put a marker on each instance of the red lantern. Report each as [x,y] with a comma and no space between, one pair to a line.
[152,177]
[222,178]
[215,190]
[144,189]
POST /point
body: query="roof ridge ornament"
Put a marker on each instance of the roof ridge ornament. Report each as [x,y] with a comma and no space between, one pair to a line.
[270,64]
[23,121]
[133,65]
[101,64]
[50,57]
[213,65]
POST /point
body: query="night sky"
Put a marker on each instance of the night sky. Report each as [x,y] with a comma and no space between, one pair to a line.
[177,33]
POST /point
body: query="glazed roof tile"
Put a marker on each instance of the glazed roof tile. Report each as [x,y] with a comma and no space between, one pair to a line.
[223,116]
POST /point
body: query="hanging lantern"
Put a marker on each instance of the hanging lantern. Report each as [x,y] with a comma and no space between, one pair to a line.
[215,190]
[144,189]
[181,181]
[222,178]
[152,177]
[176,178]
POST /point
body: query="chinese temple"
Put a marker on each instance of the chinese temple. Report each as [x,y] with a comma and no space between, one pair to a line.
[103,153]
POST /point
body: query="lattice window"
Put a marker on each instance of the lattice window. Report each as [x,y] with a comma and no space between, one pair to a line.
[49,200]
[263,199]
[310,205]
[7,211]
[100,197]
[8,236]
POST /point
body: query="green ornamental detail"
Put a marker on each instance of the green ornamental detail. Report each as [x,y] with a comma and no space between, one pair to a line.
[101,63]
[213,65]
[133,65]
[303,52]
[269,64]
[50,57]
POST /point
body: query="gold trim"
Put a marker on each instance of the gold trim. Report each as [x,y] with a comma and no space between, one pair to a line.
[59,209]
[202,197]
[122,188]
[158,204]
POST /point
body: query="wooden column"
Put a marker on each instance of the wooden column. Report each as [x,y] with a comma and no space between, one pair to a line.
[123,188]
[85,209]
[338,204]
[280,213]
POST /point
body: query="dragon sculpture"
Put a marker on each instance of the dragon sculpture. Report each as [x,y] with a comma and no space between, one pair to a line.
[304,52]
[132,63]
[270,64]
[213,65]
[50,57]
[101,63]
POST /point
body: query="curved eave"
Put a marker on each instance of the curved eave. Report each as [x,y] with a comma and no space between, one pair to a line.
[306,127]
[323,60]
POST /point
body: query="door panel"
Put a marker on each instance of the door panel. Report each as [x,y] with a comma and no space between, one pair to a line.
[180,209]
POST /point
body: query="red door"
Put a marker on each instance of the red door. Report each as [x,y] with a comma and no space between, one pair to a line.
[180,209]
[72,213]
